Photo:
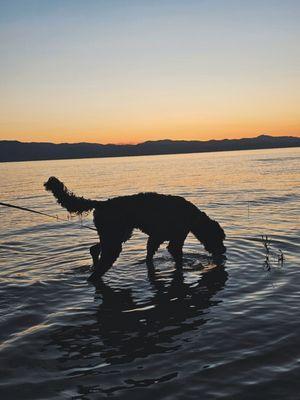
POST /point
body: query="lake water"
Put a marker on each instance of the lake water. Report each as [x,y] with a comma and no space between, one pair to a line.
[228,332]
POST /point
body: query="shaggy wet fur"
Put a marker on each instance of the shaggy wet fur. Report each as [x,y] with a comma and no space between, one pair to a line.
[161,217]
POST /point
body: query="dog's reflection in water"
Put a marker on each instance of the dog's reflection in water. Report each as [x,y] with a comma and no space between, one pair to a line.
[210,282]
[131,330]
[122,329]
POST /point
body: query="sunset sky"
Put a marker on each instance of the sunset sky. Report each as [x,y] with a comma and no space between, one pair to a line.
[126,71]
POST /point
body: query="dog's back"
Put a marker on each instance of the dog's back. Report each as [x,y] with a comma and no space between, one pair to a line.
[152,213]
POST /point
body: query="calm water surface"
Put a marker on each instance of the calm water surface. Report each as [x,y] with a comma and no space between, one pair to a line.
[217,332]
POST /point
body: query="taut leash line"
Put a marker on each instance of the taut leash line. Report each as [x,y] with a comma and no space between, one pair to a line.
[42,213]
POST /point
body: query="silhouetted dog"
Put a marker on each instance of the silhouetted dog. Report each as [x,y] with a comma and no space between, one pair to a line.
[162,217]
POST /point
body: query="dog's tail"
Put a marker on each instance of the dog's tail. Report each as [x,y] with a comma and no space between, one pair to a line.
[67,199]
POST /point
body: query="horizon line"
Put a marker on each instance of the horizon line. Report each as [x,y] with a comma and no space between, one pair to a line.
[155,140]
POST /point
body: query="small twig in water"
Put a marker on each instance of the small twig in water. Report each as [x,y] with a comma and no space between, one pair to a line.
[267,264]
[266,243]
[267,261]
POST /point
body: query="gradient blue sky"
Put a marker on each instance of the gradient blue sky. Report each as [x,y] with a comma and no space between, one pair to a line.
[127,70]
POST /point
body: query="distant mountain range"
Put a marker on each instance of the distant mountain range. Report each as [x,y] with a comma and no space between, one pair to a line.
[11,150]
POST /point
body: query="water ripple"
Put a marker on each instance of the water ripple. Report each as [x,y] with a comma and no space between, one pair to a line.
[227,331]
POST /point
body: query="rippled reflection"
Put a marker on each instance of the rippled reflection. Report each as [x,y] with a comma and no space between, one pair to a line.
[122,330]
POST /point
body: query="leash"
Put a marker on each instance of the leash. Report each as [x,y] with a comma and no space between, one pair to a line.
[42,213]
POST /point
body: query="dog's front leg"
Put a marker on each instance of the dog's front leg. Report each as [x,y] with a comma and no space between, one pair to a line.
[152,247]
[175,248]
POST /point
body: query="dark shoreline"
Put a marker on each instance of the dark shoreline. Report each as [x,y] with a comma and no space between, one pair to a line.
[15,151]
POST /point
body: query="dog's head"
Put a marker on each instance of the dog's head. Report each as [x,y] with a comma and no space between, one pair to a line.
[213,238]
[53,184]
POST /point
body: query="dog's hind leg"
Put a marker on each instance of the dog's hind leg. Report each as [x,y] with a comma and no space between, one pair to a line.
[110,252]
[95,252]
[152,247]
[175,248]
[111,239]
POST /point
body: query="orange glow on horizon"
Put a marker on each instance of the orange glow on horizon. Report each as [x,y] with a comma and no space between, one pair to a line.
[128,120]
[134,136]
[135,139]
